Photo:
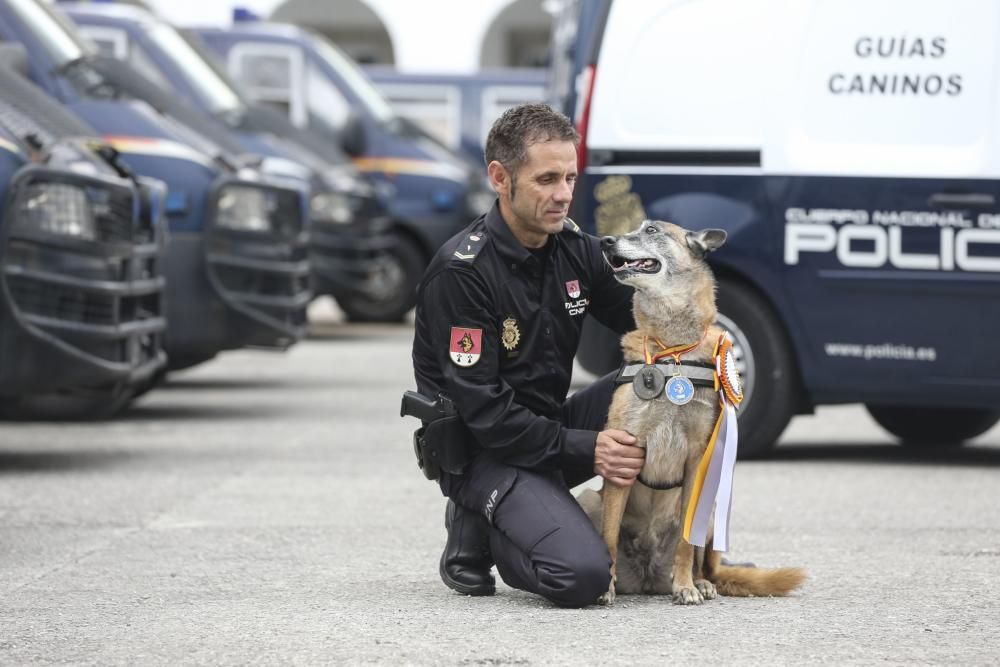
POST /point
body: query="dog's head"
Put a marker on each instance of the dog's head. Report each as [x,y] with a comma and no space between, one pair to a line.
[658,250]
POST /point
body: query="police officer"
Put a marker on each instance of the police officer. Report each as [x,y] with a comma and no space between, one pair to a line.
[498,320]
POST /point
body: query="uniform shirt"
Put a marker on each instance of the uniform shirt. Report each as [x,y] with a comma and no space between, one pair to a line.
[497,327]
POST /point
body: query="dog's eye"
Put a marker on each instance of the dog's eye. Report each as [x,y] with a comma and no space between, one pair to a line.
[651,229]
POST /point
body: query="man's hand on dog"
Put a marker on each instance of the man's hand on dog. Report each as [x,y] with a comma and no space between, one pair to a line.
[616,458]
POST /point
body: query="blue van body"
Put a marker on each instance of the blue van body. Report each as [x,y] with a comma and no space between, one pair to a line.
[81,295]
[236,261]
[460,108]
[435,190]
[349,222]
[833,289]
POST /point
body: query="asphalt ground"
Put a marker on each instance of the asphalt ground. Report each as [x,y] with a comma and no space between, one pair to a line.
[265,509]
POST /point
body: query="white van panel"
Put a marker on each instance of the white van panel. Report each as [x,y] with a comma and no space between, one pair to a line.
[681,75]
[885,88]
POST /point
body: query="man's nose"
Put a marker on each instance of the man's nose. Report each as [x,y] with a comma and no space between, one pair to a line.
[564,193]
[608,242]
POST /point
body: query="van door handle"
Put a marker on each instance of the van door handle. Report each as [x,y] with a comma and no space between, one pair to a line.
[964,200]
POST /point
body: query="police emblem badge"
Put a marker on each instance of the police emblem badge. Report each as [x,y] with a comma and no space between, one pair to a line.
[466,346]
[510,336]
[573,288]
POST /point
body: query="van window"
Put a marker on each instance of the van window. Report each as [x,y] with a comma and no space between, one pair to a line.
[271,74]
[324,99]
[214,91]
[436,109]
[110,42]
[355,79]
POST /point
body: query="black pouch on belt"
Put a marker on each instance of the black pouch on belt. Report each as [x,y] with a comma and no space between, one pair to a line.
[444,444]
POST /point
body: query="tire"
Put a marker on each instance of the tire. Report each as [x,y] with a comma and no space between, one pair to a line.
[81,405]
[390,291]
[926,428]
[764,358]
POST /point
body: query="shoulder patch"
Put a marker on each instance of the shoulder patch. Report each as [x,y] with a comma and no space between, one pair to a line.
[470,246]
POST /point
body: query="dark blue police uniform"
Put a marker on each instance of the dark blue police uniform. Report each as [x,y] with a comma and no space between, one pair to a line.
[497,328]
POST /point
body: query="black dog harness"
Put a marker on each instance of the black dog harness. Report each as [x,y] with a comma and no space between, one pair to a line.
[649,385]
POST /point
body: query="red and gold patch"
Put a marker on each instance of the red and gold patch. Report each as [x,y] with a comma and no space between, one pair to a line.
[466,346]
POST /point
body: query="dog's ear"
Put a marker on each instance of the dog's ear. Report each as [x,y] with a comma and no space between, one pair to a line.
[703,242]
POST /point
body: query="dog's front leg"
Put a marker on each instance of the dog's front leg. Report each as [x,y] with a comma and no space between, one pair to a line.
[614,499]
[684,589]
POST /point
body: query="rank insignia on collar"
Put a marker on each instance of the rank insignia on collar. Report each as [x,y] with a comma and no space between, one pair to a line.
[466,346]
[510,336]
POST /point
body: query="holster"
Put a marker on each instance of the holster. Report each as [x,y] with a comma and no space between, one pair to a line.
[442,444]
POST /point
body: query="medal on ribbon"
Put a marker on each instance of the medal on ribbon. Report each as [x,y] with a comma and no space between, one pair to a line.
[648,382]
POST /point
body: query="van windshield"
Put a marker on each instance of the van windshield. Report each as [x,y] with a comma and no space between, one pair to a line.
[213,90]
[370,97]
[56,35]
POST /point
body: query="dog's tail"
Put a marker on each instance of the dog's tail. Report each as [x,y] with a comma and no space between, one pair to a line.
[738,581]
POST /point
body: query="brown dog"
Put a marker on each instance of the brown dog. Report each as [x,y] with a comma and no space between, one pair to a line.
[674,306]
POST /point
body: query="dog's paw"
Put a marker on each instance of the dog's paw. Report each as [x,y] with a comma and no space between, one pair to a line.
[688,596]
[706,588]
[608,598]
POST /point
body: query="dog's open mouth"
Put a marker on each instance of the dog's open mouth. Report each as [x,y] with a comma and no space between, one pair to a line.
[644,265]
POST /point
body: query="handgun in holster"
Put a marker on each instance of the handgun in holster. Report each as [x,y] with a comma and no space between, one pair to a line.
[442,442]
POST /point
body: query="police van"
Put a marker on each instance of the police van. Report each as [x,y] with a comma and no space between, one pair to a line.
[236,260]
[435,191]
[850,149]
[81,243]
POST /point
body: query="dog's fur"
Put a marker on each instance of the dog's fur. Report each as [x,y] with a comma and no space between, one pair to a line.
[674,302]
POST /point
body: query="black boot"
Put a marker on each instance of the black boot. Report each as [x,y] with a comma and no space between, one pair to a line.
[466,561]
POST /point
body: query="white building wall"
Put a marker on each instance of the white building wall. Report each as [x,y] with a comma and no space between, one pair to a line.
[428,36]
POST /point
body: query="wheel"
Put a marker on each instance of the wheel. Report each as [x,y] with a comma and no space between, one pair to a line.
[764,358]
[390,290]
[933,427]
[77,405]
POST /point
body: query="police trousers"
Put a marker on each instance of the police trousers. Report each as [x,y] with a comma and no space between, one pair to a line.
[540,538]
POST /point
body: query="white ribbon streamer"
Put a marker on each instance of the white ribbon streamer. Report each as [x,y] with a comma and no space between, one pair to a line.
[724,501]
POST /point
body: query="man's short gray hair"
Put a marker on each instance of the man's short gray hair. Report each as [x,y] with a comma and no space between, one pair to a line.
[523,125]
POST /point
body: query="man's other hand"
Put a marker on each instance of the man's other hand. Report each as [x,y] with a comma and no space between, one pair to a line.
[616,458]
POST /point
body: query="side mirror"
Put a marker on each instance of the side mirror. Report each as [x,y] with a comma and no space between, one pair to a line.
[352,136]
[14,56]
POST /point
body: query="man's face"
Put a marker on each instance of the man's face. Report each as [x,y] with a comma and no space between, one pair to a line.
[535,200]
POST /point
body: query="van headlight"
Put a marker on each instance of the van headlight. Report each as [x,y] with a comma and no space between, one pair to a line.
[245,209]
[57,208]
[332,207]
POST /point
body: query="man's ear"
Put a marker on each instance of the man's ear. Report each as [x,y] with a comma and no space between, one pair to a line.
[703,242]
[499,177]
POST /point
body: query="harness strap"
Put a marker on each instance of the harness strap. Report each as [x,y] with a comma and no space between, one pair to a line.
[656,486]
[699,373]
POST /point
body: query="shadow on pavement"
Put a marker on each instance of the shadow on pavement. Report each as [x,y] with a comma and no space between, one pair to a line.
[17,462]
[883,453]
[207,384]
[202,412]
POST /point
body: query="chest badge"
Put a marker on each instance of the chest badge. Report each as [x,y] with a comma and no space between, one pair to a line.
[573,288]
[466,346]
[510,336]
